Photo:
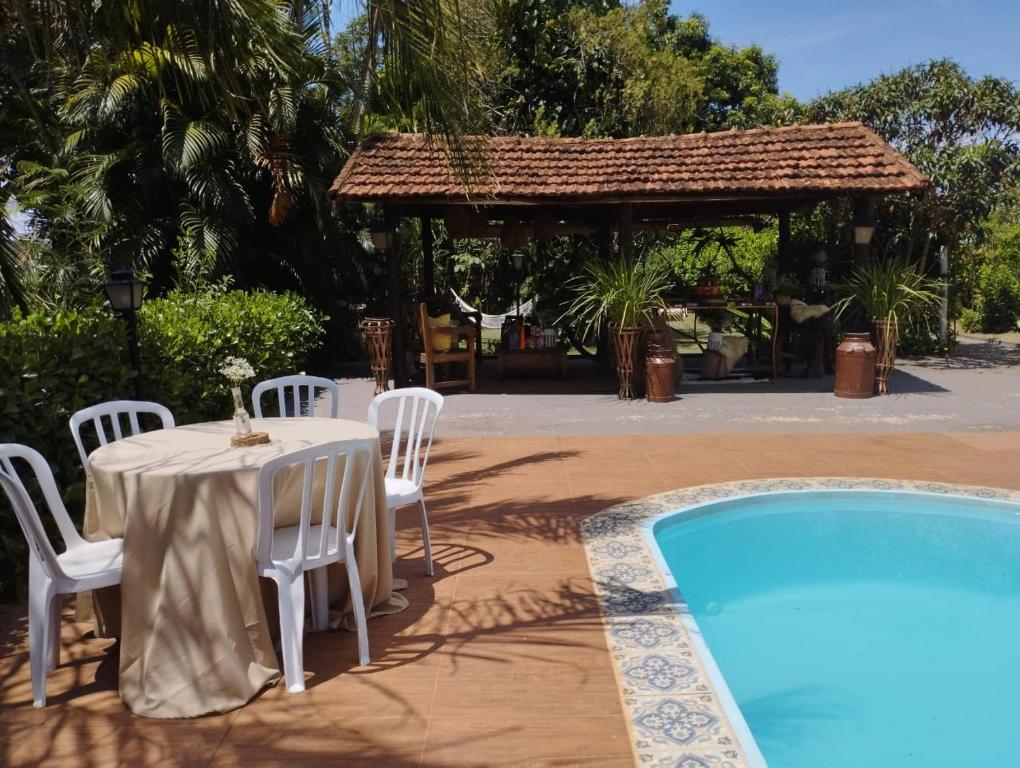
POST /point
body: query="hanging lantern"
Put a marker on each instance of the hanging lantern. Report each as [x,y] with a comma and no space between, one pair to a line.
[863,233]
[382,238]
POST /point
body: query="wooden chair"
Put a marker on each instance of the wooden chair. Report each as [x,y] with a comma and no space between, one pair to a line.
[430,358]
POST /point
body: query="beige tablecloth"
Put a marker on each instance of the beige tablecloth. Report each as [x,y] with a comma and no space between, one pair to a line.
[194,632]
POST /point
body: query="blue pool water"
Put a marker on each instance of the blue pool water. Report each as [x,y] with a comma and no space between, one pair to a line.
[861,628]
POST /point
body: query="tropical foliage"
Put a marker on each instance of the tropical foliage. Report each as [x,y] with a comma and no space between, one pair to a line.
[602,68]
[621,292]
[888,290]
[994,284]
[963,132]
[203,144]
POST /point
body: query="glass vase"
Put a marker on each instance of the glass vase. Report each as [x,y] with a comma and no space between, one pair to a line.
[242,422]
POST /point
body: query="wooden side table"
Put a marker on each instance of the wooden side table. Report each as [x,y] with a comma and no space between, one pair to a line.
[531,361]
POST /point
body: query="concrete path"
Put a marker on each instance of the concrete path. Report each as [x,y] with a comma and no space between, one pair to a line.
[978,388]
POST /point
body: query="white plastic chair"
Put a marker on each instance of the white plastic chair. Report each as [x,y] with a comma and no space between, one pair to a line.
[112,411]
[417,413]
[284,554]
[82,567]
[294,385]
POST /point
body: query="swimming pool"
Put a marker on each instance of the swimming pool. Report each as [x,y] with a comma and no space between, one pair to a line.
[858,627]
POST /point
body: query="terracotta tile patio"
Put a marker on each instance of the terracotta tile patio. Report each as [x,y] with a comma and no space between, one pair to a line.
[500,659]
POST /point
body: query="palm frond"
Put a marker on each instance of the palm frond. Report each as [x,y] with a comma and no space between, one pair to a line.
[619,291]
[888,289]
[189,143]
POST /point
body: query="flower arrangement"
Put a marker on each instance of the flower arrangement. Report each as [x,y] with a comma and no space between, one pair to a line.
[235,370]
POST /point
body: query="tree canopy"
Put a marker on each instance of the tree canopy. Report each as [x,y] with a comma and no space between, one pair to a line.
[963,132]
[194,140]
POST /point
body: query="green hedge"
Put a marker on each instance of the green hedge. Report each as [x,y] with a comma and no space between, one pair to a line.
[186,336]
[54,364]
[998,302]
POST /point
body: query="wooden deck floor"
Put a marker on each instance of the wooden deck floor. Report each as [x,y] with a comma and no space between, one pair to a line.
[500,659]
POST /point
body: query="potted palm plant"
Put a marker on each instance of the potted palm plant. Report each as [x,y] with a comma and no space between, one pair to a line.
[622,295]
[889,292]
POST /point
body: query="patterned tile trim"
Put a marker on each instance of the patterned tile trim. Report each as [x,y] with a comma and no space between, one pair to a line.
[680,713]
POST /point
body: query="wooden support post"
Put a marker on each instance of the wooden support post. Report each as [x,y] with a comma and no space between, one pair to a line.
[605,242]
[783,253]
[627,231]
[428,262]
[395,284]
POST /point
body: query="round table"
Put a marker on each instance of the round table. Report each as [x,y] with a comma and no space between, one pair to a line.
[193,623]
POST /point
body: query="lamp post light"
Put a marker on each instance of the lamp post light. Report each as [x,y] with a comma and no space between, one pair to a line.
[863,232]
[862,229]
[124,291]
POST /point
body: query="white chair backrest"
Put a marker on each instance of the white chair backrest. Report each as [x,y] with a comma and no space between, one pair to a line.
[113,412]
[294,385]
[417,411]
[319,467]
[24,509]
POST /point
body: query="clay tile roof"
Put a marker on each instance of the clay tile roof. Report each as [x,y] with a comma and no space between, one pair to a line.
[834,158]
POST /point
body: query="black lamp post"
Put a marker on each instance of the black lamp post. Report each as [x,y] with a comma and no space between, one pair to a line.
[124,291]
[384,240]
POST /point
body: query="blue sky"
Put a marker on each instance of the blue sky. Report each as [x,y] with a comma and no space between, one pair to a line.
[824,44]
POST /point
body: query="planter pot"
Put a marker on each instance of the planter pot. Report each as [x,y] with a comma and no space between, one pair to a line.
[855,366]
[886,336]
[378,333]
[715,341]
[713,365]
[660,371]
[625,343]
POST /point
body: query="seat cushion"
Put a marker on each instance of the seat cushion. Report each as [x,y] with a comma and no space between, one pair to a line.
[441,342]
[92,557]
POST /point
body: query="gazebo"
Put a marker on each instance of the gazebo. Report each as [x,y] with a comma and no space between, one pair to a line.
[538,187]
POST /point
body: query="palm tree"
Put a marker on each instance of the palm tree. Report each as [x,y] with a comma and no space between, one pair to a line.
[159,132]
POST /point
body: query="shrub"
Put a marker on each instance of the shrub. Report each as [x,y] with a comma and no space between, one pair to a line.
[998,297]
[970,320]
[53,365]
[186,336]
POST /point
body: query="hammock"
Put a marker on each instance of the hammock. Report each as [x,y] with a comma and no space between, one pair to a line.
[492,321]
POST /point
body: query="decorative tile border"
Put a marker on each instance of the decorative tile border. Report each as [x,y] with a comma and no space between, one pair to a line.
[678,717]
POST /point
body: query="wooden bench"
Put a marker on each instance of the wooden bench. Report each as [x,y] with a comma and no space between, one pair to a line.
[532,360]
